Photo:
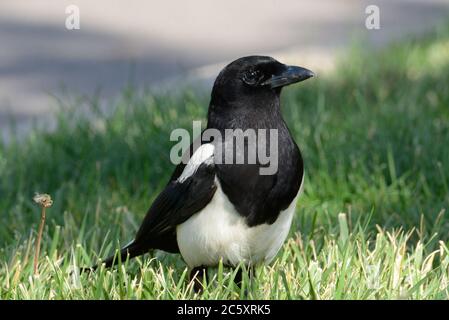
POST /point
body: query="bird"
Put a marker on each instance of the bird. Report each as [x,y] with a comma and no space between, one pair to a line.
[212,211]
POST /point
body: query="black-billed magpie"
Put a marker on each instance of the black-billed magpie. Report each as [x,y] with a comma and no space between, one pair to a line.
[219,210]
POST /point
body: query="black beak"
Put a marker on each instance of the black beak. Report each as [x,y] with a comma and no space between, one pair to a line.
[291,74]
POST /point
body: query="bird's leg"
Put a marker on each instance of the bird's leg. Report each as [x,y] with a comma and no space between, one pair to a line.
[198,274]
[239,276]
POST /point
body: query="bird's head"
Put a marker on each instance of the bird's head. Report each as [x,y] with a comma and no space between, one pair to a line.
[248,79]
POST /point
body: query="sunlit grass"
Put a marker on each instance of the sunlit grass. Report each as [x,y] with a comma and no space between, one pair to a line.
[347,266]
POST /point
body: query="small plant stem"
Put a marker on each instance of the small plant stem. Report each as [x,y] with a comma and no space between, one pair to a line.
[38,242]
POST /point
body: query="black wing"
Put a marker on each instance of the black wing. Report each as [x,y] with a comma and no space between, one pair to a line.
[179,200]
[174,205]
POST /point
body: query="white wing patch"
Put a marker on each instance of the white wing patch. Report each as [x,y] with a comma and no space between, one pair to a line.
[204,154]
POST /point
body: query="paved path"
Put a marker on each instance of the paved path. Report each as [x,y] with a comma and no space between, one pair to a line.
[150,43]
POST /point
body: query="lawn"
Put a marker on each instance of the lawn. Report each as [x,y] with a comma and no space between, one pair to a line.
[371,223]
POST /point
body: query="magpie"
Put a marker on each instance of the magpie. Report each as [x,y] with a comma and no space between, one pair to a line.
[215,210]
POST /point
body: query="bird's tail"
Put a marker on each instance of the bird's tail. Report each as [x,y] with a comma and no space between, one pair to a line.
[129,251]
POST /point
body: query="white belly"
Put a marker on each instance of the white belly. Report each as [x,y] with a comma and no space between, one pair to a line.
[219,232]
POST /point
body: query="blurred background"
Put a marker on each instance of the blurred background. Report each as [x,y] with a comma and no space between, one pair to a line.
[162,45]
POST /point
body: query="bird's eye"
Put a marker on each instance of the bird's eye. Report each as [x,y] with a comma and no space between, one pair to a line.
[252,77]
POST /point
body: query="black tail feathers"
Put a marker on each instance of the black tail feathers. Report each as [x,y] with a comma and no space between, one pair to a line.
[128,252]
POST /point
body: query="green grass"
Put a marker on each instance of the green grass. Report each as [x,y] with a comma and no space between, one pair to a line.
[371,223]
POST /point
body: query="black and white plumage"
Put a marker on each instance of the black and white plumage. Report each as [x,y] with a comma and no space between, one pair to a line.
[210,211]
